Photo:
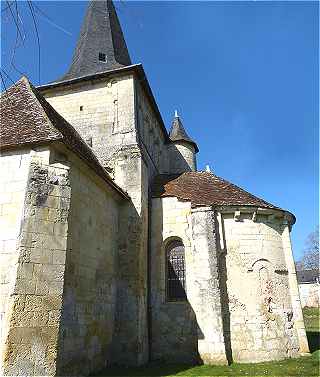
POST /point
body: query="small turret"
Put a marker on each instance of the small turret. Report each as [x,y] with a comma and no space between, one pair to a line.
[184,149]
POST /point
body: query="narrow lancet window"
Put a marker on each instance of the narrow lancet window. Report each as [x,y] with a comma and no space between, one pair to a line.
[176,279]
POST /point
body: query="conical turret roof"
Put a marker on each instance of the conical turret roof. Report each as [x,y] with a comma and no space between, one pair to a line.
[101,45]
[178,133]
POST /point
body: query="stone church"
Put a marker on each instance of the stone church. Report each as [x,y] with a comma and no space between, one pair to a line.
[115,250]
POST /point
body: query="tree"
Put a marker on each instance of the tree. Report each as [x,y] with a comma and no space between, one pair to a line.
[310,259]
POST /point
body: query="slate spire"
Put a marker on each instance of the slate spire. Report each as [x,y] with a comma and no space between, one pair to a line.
[101,45]
[178,133]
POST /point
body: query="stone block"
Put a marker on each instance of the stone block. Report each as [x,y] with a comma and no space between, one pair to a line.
[40,255]
[25,271]
[24,286]
[58,257]
[56,287]
[22,335]
[60,229]
[54,318]
[33,303]
[53,272]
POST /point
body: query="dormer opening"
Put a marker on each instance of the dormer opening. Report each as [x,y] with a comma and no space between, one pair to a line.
[102,57]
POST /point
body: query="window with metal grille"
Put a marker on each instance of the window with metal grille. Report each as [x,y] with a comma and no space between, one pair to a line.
[176,279]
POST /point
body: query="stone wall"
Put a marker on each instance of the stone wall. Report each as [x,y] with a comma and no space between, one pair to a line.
[189,331]
[260,312]
[90,284]
[112,114]
[205,290]
[102,111]
[183,157]
[173,327]
[33,315]
[59,291]
[132,327]
[309,294]
[242,299]
[152,139]
[14,167]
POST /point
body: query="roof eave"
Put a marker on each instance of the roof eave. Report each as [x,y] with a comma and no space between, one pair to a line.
[105,176]
[135,68]
[94,76]
[186,141]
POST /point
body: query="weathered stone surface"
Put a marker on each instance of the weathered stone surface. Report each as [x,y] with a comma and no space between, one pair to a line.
[28,309]
[87,316]
[260,303]
[309,294]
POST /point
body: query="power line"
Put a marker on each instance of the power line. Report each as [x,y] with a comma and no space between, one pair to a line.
[49,19]
[12,64]
[38,38]
[3,70]
[14,19]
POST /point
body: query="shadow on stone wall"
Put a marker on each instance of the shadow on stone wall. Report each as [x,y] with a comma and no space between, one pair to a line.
[174,331]
[313,340]
[224,291]
[178,161]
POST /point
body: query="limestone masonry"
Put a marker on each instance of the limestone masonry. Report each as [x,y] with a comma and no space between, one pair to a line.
[114,249]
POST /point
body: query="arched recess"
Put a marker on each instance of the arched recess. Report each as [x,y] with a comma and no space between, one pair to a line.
[175,270]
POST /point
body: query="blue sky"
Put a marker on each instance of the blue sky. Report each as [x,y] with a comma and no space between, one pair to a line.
[243,76]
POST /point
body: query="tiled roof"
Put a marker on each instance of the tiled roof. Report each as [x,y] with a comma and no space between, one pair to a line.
[178,133]
[100,33]
[28,119]
[205,189]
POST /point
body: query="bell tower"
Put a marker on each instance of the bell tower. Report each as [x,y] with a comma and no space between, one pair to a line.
[101,45]
[97,96]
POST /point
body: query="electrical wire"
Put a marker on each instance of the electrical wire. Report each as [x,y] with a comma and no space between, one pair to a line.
[38,38]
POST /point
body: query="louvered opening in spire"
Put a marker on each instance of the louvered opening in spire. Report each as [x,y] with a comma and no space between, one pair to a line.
[101,45]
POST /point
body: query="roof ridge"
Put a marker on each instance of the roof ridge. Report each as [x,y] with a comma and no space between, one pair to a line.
[234,185]
[34,93]
[207,189]
[44,125]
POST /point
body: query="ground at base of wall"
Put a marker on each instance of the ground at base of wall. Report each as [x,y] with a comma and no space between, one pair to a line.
[302,366]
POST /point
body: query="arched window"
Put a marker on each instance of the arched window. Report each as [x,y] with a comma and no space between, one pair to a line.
[176,277]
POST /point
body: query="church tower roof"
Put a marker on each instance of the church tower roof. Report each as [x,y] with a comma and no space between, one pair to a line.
[178,133]
[101,45]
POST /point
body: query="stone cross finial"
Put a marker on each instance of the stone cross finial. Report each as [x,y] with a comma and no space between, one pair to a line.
[176,114]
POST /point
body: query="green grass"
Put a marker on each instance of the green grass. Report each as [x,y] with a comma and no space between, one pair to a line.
[311,319]
[302,366]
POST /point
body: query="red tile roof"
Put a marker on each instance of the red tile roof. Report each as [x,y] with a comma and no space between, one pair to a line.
[205,189]
[28,119]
